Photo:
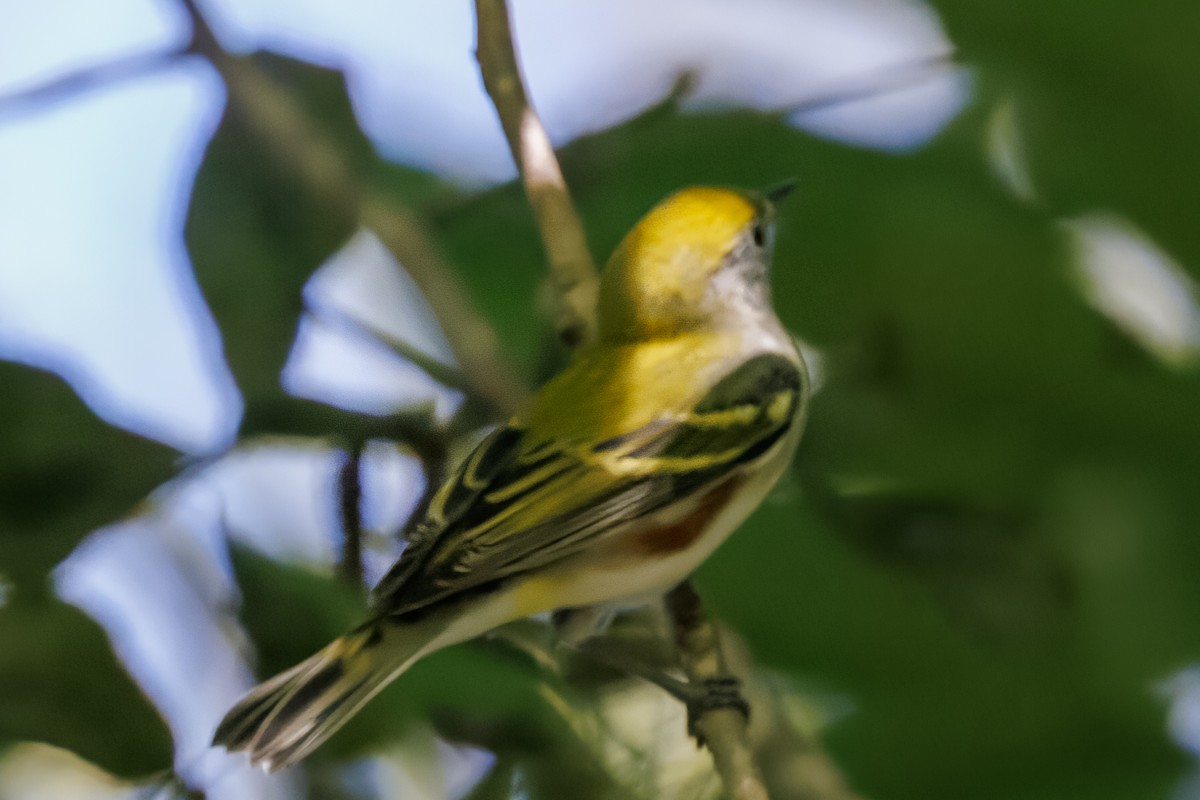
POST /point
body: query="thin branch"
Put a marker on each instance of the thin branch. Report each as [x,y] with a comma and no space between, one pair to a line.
[272,113]
[473,340]
[204,41]
[85,80]
[787,750]
[873,84]
[723,729]
[350,511]
[442,373]
[571,266]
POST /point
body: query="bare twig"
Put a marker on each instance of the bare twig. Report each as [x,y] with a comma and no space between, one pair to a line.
[786,744]
[442,373]
[471,337]
[874,84]
[571,267]
[350,510]
[85,80]
[273,114]
[723,729]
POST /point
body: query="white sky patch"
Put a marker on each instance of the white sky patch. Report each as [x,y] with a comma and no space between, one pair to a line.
[338,366]
[594,64]
[901,119]
[1182,693]
[393,480]
[421,767]
[364,280]
[392,483]
[278,496]
[342,364]
[161,592]
[1129,279]
[1183,690]
[93,274]
[43,40]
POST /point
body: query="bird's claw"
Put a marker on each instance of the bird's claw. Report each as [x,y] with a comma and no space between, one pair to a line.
[711,694]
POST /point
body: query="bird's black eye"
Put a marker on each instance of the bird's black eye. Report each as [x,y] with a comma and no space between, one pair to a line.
[760,234]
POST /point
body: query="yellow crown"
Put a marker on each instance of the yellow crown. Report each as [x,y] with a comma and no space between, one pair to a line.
[657,275]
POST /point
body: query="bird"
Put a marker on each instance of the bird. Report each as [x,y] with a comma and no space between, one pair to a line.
[623,474]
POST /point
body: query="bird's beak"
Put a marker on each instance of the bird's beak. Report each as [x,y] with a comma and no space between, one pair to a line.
[780,190]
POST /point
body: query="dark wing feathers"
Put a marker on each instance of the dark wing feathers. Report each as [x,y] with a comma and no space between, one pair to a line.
[752,402]
[453,501]
[504,512]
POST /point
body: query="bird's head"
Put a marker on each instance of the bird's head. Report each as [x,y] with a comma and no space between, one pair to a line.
[699,259]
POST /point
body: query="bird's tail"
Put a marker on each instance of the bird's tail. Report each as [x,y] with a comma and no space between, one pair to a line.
[285,718]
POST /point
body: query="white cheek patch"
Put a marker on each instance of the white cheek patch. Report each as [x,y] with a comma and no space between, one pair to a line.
[740,287]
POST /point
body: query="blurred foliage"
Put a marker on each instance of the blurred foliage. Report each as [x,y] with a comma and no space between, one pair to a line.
[321,608]
[1106,102]
[64,473]
[256,232]
[988,541]
[60,683]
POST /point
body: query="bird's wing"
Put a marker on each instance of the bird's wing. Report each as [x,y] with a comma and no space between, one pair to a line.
[515,505]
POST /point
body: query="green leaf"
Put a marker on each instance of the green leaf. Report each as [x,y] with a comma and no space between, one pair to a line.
[257,230]
[1109,116]
[61,684]
[255,235]
[64,474]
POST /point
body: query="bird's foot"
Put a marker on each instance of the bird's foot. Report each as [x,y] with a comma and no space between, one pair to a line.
[712,694]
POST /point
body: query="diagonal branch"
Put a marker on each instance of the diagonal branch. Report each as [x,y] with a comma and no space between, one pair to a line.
[273,114]
[571,267]
[442,373]
[86,80]
[874,84]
